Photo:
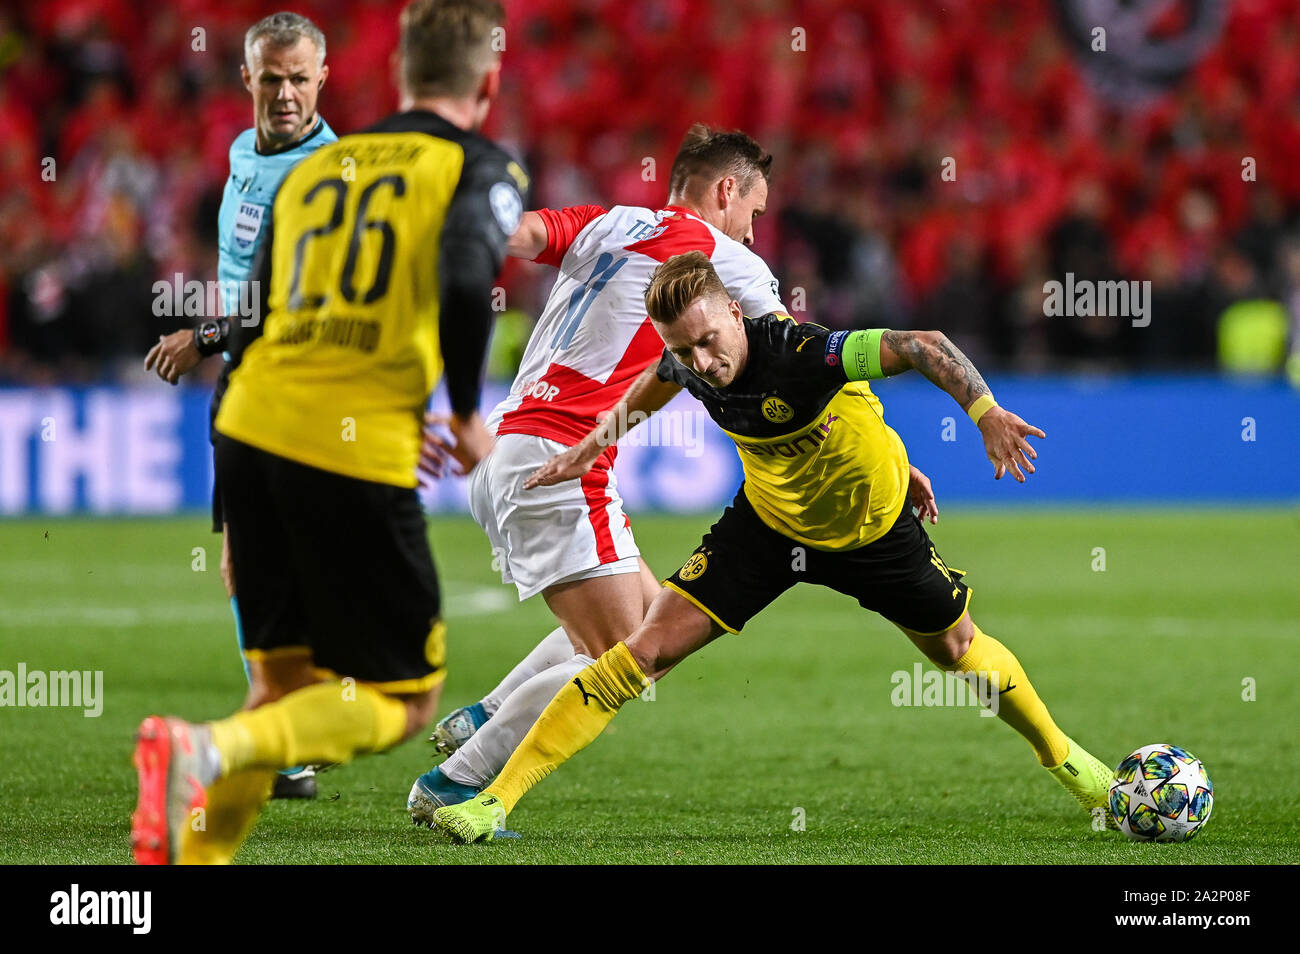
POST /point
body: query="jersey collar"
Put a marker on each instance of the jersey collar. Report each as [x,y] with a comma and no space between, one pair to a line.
[682,210]
[316,131]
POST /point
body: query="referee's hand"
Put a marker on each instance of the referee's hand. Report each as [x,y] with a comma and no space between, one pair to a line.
[1005,443]
[173,355]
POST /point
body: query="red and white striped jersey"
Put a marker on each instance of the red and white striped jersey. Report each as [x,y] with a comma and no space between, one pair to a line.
[594,337]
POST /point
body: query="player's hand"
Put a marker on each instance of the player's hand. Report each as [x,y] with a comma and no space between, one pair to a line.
[435,449]
[1005,443]
[470,443]
[567,465]
[173,355]
[921,495]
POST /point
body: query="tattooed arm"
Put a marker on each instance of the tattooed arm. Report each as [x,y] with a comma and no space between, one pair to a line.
[931,353]
[941,361]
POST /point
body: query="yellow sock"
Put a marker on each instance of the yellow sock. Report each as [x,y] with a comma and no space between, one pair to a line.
[1018,704]
[233,805]
[570,722]
[326,722]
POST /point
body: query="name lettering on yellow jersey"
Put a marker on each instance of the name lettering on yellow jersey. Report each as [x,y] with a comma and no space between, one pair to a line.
[359,333]
[795,447]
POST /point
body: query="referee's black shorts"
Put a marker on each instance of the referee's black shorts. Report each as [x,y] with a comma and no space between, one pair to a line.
[218,392]
[742,565]
[331,566]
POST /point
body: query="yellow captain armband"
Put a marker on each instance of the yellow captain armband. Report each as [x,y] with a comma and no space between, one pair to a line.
[980,407]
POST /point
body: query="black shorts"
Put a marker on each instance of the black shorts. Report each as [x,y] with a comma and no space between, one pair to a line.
[218,392]
[743,565]
[218,515]
[331,566]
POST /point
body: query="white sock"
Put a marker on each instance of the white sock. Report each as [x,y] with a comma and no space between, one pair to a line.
[209,756]
[481,759]
[555,648]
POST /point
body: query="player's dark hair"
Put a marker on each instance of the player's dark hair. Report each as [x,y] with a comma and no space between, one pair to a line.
[284,29]
[447,45]
[678,282]
[713,154]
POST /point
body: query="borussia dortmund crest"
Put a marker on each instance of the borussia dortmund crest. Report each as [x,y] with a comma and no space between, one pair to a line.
[777,411]
[694,567]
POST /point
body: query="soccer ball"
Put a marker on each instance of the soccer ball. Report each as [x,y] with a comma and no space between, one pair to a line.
[1161,793]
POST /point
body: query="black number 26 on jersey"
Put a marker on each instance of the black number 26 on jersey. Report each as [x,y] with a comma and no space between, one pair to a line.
[337,190]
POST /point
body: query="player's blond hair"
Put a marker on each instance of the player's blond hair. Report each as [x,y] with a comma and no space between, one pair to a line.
[448,45]
[680,282]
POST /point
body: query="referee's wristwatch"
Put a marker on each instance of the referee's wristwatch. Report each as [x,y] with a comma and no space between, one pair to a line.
[210,336]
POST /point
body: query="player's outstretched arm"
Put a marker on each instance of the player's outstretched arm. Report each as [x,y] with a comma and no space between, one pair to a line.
[942,362]
[646,396]
[529,239]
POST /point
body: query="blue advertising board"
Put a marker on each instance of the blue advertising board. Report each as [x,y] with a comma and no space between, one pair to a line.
[1167,440]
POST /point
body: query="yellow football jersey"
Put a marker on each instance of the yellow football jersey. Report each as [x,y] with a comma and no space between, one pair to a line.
[352,343]
[821,465]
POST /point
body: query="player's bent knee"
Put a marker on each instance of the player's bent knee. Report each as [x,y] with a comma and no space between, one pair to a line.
[597,613]
[419,711]
[600,642]
[655,653]
[944,649]
[258,695]
[959,637]
[595,640]
[673,629]
[273,679]
[646,655]
[259,689]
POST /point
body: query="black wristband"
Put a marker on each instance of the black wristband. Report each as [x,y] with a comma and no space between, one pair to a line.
[210,336]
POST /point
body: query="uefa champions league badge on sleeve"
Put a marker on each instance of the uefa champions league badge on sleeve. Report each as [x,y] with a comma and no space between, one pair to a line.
[507,206]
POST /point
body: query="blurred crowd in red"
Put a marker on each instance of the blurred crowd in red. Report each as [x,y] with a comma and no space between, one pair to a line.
[116,118]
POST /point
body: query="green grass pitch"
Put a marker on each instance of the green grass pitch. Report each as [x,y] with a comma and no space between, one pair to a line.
[791,719]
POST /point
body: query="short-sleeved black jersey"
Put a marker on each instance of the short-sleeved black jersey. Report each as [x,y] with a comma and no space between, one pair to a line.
[821,465]
[785,384]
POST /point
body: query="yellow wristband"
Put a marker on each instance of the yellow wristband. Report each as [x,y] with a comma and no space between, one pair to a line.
[980,407]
